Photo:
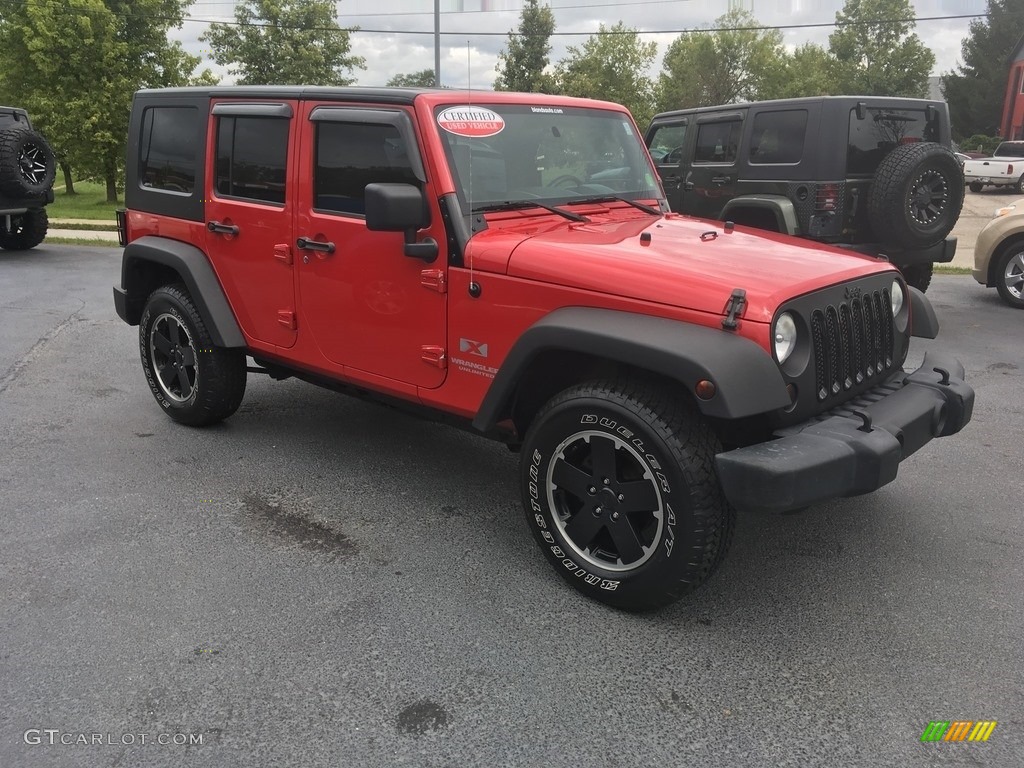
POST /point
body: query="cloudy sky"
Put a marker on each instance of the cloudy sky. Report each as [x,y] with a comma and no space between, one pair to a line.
[475,31]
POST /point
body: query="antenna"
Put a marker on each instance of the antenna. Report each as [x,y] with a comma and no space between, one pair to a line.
[474,286]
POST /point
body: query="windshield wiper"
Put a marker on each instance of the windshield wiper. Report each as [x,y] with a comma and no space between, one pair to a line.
[516,204]
[606,198]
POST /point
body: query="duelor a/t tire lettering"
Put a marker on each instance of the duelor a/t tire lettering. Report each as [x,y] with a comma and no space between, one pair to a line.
[620,492]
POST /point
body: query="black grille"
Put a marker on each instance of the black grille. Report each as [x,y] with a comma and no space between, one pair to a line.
[852,343]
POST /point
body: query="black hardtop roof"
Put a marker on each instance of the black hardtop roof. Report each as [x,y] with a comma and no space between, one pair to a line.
[19,110]
[891,102]
[349,93]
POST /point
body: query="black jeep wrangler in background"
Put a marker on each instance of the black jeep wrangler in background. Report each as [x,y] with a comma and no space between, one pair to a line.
[873,174]
[27,169]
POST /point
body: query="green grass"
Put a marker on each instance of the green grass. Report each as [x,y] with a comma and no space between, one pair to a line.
[89,202]
[946,269]
[79,241]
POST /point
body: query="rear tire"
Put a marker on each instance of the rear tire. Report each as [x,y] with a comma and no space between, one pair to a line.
[27,231]
[918,275]
[195,382]
[620,491]
[976,186]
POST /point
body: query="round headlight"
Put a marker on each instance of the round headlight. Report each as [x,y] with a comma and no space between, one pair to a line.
[784,336]
[896,293]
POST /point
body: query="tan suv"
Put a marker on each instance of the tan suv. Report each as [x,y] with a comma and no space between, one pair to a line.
[999,254]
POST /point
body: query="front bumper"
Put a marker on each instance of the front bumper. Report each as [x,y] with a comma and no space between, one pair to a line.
[854,449]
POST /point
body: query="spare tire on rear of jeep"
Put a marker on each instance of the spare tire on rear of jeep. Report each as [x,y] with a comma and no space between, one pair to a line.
[916,195]
[27,164]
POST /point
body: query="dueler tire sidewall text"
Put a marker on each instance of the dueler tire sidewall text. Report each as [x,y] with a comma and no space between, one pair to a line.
[674,568]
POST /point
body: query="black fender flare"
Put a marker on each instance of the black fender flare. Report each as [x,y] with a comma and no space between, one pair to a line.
[747,379]
[196,273]
[924,324]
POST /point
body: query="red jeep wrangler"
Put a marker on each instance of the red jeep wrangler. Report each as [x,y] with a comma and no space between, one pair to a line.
[507,262]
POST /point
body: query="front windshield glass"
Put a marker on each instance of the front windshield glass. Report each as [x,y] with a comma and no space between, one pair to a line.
[508,155]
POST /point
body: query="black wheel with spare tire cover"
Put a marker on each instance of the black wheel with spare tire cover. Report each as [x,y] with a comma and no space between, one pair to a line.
[620,491]
[27,163]
[916,195]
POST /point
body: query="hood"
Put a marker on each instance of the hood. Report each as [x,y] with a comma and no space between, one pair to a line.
[675,260]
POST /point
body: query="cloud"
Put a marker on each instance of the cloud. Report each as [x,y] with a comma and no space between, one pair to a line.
[468,55]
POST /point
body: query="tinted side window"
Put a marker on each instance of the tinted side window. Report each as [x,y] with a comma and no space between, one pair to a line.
[351,155]
[667,144]
[252,157]
[717,142]
[167,152]
[778,137]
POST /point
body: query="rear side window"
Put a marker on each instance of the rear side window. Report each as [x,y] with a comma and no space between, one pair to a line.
[717,142]
[351,155]
[252,154]
[167,151]
[881,131]
[778,137]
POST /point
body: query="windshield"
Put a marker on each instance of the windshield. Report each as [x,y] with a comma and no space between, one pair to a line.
[513,155]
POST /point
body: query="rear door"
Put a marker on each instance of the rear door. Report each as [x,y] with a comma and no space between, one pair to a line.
[249,214]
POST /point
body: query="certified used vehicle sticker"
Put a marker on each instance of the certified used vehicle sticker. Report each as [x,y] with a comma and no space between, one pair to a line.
[471,122]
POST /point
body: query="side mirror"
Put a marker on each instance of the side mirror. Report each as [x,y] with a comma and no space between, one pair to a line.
[400,208]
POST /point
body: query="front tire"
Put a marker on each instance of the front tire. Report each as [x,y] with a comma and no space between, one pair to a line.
[194,381]
[1009,275]
[620,491]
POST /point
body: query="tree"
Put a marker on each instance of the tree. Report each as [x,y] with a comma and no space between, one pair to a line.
[521,66]
[276,42]
[808,72]
[422,79]
[875,53]
[75,65]
[611,65]
[737,64]
[975,94]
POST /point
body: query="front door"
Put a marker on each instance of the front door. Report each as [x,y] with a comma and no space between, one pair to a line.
[667,144]
[249,211]
[369,306]
[712,177]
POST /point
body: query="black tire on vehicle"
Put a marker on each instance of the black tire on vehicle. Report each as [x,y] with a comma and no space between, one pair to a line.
[27,230]
[1009,275]
[1019,186]
[976,186]
[194,381]
[620,491]
[916,195]
[27,164]
[918,275]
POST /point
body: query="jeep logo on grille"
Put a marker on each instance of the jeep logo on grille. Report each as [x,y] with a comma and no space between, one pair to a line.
[851,292]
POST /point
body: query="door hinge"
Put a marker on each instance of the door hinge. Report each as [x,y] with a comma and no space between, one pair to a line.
[435,356]
[283,253]
[287,318]
[434,280]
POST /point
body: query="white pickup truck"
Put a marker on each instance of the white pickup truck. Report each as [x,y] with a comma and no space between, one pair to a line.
[1004,169]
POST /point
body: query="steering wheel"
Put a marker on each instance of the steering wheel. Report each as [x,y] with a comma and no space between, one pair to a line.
[566,181]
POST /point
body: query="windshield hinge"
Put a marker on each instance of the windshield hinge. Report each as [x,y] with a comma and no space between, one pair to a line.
[434,280]
[734,308]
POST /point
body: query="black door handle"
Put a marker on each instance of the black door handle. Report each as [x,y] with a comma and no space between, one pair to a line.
[223,229]
[304,244]
[671,182]
[718,181]
[688,186]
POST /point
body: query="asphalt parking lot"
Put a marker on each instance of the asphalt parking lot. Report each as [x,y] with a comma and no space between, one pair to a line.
[322,581]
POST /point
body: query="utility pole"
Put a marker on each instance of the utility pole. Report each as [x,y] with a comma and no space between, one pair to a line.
[437,43]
